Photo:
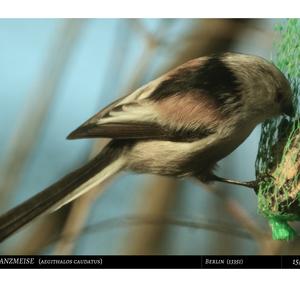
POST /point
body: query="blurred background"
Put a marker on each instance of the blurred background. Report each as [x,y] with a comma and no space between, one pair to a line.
[55,74]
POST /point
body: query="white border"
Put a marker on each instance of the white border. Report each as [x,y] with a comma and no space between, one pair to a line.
[147,8]
[149,284]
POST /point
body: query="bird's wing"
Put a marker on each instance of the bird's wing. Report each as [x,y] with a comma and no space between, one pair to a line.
[155,111]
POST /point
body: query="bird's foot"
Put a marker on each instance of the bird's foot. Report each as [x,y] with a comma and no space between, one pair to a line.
[249,184]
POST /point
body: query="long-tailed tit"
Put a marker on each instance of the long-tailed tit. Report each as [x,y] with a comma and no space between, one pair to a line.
[178,125]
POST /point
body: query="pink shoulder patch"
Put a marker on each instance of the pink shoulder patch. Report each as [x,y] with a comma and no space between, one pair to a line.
[191,110]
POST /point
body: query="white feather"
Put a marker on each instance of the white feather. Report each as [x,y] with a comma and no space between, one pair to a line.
[103,175]
[142,113]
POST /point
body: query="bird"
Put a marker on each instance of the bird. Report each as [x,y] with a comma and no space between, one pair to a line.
[180,125]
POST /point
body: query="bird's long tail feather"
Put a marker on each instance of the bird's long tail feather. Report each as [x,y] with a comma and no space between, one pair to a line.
[107,163]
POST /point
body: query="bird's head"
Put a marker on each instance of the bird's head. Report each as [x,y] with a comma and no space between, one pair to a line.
[267,92]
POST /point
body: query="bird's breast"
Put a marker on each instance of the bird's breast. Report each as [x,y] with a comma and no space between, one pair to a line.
[184,158]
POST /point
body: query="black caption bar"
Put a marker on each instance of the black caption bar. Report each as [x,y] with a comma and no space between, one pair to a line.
[149,262]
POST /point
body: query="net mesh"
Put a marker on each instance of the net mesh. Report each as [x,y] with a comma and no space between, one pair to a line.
[278,159]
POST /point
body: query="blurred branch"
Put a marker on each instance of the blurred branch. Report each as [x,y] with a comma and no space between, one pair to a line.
[151,39]
[147,220]
[81,207]
[41,231]
[116,65]
[264,240]
[267,246]
[27,133]
[152,43]
[76,220]
[157,199]
[209,36]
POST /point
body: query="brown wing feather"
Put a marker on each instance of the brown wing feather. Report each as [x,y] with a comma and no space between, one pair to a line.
[120,131]
[183,116]
[178,118]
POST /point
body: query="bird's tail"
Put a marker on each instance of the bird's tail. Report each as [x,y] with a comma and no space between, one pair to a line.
[107,163]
